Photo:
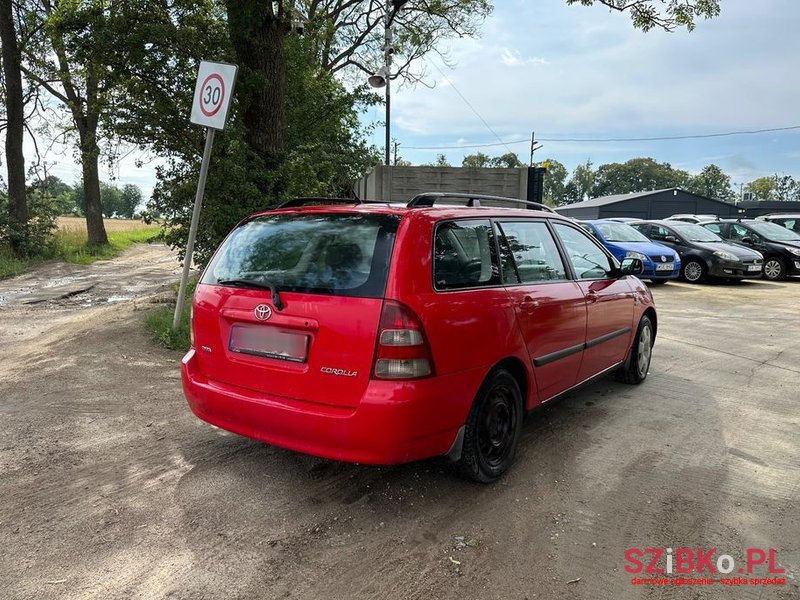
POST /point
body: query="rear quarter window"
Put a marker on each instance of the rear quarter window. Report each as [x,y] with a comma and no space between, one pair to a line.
[464,255]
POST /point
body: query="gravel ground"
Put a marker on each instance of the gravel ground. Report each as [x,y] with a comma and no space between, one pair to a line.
[111,488]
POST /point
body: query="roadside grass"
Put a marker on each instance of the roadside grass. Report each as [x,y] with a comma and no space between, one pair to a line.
[159,321]
[69,243]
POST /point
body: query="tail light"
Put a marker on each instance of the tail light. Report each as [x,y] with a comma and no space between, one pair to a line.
[191,324]
[403,351]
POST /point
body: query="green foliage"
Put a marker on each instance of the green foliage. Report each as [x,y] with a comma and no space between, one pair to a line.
[509,160]
[555,182]
[712,182]
[326,152]
[775,187]
[159,322]
[663,14]
[580,185]
[637,175]
[37,231]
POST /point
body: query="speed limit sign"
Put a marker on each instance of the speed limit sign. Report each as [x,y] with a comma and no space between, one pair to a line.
[212,94]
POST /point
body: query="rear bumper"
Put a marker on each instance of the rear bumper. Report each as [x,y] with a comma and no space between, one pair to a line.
[395,422]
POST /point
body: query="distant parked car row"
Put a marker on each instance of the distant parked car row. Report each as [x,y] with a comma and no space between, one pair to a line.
[697,247]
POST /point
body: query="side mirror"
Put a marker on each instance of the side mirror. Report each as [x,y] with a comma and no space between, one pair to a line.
[749,240]
[671,239]
[631,266]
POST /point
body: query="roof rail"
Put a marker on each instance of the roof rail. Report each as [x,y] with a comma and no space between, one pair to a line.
[428,199]
[295,202]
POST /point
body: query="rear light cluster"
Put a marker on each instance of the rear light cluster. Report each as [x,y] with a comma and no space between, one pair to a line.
[191,324]
[403,351]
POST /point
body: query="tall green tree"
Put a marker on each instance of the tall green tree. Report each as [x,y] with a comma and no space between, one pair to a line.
[637,175]
[580,185]
[69,59]
[14,126]
[479,160]
[712,182]
[346,35]
[775,187]
[555,182]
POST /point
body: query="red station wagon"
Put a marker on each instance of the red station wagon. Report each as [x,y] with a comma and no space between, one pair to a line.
[382,333]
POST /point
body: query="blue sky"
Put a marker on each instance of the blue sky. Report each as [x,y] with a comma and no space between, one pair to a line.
[585,72]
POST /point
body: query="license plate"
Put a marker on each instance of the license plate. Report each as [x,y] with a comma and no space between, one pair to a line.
[269,342]
[753,267]
[664,267]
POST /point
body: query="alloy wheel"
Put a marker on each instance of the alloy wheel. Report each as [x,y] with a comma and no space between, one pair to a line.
[773,269]
[693,271]
[644,350]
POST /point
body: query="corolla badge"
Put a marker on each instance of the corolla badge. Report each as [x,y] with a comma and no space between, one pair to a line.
[340,372]
[262,312]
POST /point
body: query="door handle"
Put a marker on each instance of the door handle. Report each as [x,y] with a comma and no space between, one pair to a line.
[592,296]
[528,304]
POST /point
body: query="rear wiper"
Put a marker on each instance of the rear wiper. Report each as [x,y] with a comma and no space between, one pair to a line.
[276,299]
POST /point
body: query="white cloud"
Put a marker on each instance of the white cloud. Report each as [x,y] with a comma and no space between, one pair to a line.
[513,58]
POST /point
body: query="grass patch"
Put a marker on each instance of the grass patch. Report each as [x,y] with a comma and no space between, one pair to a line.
[159,322]
[69,243]
[10,265]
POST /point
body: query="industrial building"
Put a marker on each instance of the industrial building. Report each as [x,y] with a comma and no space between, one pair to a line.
[656,204]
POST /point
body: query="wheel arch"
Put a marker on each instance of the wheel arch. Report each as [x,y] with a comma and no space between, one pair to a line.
[516,367]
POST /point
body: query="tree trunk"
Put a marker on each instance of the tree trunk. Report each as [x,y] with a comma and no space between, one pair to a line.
[90,155]
[257,35]
[17,201]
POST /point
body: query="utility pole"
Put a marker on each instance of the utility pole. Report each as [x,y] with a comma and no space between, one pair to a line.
[534,146]
[395,147]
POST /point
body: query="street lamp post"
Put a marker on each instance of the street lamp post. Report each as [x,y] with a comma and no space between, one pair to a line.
[383,77]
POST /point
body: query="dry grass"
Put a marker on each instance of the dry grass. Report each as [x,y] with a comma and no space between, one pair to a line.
[112,225]
[68,243]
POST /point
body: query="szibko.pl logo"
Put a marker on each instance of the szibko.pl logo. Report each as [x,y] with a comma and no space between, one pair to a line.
[704,564]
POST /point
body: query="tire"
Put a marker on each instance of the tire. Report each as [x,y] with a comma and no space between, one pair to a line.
[774,269]
[694,271]
[493,429]
[640,354]
[658,281]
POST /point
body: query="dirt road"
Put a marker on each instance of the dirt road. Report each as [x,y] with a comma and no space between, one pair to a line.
[111,488]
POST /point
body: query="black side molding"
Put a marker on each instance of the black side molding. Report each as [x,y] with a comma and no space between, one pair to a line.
[554,356]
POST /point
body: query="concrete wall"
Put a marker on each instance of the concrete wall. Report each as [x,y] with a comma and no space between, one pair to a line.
[401,184]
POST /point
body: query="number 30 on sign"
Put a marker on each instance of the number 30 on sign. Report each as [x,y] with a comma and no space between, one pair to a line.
[212,94]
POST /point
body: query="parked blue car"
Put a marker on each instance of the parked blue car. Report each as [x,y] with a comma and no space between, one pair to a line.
[660,262]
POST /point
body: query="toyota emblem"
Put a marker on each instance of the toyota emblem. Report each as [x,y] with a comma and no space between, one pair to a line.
[262,312]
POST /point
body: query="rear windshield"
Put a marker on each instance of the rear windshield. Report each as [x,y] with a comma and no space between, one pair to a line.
[333,254]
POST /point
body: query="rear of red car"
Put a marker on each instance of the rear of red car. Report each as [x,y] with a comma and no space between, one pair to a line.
[295,343]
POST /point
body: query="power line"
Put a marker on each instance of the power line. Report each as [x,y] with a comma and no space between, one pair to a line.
[472,108]
[604,140]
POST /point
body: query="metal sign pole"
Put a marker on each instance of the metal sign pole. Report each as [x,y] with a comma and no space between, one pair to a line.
[198,202]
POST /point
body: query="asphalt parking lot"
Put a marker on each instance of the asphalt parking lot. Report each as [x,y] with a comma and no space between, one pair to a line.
[111,488]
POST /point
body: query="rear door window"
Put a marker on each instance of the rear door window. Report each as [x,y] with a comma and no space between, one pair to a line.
[464,255]
[534,252]
[335,254]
